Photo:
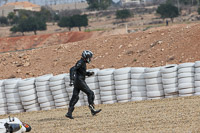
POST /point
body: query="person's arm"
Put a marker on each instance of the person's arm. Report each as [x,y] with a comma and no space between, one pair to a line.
[73,71]
[89,73]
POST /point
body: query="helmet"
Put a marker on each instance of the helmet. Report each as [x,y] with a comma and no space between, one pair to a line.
[87,55]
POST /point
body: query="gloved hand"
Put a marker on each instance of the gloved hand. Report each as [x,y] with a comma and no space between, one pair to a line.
[90,73]
[71,83]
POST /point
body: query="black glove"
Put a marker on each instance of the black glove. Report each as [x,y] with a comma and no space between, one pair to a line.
[71,83]
[90,73]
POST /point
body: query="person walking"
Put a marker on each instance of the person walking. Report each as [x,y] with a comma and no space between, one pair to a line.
[77,79]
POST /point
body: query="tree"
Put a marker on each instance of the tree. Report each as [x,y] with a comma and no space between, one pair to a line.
[3,20]
[167,11]
[123,14]
[66,22]
[99,4]
[198,10]
[29,24]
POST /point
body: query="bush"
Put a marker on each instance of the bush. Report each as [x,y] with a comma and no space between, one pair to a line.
[123,14]
[3,20]
[198,10]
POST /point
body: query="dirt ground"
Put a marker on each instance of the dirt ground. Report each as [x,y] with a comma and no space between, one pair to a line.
[177,115]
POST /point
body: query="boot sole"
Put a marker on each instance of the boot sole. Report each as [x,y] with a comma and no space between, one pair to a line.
[96,112]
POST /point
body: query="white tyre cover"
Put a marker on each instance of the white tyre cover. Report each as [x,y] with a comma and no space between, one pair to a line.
[122,77]
[26,93]
[185,95]
[13,100]
[154,98]
[47,104]
[55,83]
[107,71]
[69,89]
[171,96]
[57,87]
[61,107]
[95,70]
[2,82]
[169,75]
[43,93]
[152,74]
[28,98]
[138,88]
[185,75]
[139,94]
[58,77]
[105,78]
[92,79]
[65,103]
[11,90]
[41,83]
[61,100]
[42,88]
[45,99]
[12,95]
[197,93]
[43,78]
[10,86]
[93,86]
[197,83]
[33,109]
[107,88]
[124,101]
[2,89]
[171,90]
[186,80]
[188,64]
[186,70]
[197,70]
[138,82]
[186,85]
[121,92]
[11,81]
[26,82]
[2,95]
[121,87]
[123,97]
[96,92]
[25,88]
[138,98]
[32,106]
[186,91]
[169,81]
[63,95]
[107,93]
[67,78]
[122,82]
[110,102]
[197,64]
[15,107]
[29,102]
[197,77]
[2,100]
[48,108]
[107,83]
[137,76]
[138,70]
[169,68]
[155,93]
[121,71]
[152,69]
[153,81]
[57,92]
[154,87]
[108,98]
[170,86]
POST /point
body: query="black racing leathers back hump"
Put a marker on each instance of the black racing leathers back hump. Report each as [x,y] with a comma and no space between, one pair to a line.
[79,70]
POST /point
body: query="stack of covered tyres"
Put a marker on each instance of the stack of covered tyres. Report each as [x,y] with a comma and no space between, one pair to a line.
[58,90]
[186,79]
[45,98]
[138,84]
[107,86]
[93,84]
[70,89]
[170,80]
[28,94]
[197,78]
[154,86]
[12,96]
[3,103]
[122,79]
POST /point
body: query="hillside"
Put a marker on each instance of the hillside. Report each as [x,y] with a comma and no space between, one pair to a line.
[154,47]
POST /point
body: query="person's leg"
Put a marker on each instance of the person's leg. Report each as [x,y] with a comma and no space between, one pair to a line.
[90,94]
[72,103]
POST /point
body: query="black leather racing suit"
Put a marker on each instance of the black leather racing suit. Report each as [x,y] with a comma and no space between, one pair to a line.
[78,73]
